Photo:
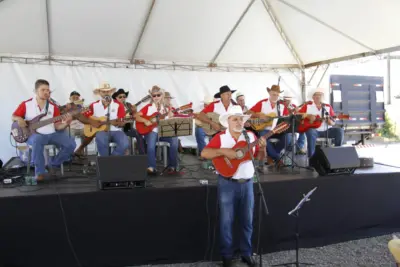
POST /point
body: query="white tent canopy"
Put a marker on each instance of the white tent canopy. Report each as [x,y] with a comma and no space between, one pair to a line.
[279,33]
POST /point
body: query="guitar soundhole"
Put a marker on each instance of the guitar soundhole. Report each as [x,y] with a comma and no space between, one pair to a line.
[239,154]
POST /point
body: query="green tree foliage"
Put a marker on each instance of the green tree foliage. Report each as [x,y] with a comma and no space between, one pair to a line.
[388,129]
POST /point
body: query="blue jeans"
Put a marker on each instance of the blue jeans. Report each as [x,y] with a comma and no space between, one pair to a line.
[139,140]
[313,134]
[60,139]
[236,200]
[274,150]
[151,140]
[117,137]
[300,141]
[200,138]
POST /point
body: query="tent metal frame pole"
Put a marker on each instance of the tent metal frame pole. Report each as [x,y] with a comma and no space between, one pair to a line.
[312,76]
[142,31]
[327,25]
[282,32]
[148,65]
[49,45]
[323,75]
[389,87]
[355,56]
[303,85]
[231,32]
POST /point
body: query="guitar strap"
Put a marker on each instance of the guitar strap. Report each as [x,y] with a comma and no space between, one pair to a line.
[46,108]
[278,108]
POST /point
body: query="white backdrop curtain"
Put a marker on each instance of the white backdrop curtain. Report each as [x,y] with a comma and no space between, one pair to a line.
[186,86]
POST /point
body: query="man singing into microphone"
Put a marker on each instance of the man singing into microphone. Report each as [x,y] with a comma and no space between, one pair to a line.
[116,110]
[325,111]
[235,194]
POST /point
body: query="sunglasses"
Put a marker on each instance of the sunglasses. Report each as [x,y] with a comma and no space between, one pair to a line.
[122,96]
[158,95]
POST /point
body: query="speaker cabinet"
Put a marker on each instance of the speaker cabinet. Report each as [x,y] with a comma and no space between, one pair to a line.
[335,160]
[121,171]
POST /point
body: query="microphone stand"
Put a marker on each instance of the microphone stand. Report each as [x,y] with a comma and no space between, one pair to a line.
[261,198]
[109,127]
[324,112]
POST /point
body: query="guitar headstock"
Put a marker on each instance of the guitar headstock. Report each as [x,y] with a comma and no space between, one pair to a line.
[144,99]
[187,106]
[281,127]
[343,116]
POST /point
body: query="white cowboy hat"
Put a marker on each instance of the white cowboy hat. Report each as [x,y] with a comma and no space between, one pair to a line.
[208,99]
[233,111]
[288,94]
[239,94]
[317,91]
[104,87]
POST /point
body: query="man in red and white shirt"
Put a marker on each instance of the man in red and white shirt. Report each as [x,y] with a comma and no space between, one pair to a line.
[49,134]
[269,106]
[318,108]
[100,109]
[235,194]
[157,106]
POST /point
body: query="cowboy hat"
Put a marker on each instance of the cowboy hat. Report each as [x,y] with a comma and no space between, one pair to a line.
[208,99]
[288,94]
[233,111]
[120,92]
[168,95]
[274,88]
[104,87]
[223,89]
[316,91]
[74,93]
[239,94]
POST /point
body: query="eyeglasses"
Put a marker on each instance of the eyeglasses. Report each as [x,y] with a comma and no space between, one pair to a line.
[158,95]
[122,96]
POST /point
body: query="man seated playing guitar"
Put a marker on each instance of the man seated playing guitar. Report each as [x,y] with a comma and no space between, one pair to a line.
[99,109]
[235,194]
[261,110]
[50,134]
[220,107]
[157,106]
[130,110]
[325,112]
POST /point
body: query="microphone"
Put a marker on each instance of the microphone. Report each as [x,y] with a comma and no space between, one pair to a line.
[107,98]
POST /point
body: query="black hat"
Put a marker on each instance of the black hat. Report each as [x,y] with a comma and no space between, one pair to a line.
[74,93]
[222,90]
[120,92]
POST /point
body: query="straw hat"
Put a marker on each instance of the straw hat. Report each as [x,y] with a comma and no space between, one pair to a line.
[105,87]
[233,111]
[239,94]
[317,91]
[208,99]
[168,95]
[288,94]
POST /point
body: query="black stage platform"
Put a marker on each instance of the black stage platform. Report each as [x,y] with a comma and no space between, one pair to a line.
[174,220]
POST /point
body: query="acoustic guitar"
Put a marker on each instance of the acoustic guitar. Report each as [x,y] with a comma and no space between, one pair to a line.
[259,124]
[228,167]
[207,127]
[142,129]
[90,131]
[21,134]
[305,124]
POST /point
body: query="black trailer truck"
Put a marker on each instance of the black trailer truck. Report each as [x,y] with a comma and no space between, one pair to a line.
[362,97]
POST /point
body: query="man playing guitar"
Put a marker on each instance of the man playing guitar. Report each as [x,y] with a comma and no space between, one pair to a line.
[325,112]
[268,106]
[235,194]
[50,134]
[100,109]
[130,110]
[222,106]
[157,106]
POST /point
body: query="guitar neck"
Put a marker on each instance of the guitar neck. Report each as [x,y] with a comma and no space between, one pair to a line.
[256,142]
[42,123]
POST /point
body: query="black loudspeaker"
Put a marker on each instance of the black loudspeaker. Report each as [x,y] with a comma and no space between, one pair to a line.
[335,160]
[121,172]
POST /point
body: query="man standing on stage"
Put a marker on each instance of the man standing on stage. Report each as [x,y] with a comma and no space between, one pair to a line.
[235,194]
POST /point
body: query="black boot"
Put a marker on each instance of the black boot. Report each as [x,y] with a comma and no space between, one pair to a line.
[249,261]
[227,262]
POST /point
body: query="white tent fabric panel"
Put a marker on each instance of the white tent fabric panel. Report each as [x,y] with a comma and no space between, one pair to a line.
[192,31]
[23,27]
[189,31]
[185,86]
[96,29]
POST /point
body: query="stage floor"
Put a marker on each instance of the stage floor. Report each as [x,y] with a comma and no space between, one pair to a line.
[176,218]
[75,181]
